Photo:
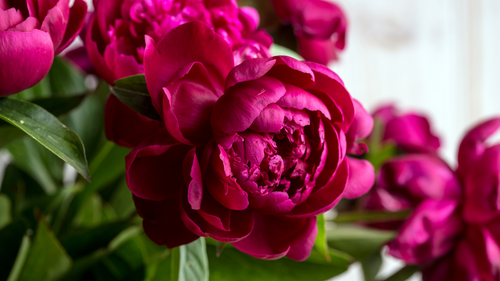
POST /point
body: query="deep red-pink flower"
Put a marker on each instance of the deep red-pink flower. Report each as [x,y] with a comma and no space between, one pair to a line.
[115,38]
[410,131]
[319,26]
[31,33]
[247,155]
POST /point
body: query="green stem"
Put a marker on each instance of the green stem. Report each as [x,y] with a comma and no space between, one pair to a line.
[371,216]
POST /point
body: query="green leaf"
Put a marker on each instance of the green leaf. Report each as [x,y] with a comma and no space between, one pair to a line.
[371,265]
[371,216]
[193,261]
[29,157]
[46,129]
[404,273]
[20,259]
[133,92]
[235,265]
[320,243]
[10,241]
[56,106]
[357,241]
[90,213]
[86,241]
[5,210]
[65,79]
[277,50]
[122,201]
[47,259]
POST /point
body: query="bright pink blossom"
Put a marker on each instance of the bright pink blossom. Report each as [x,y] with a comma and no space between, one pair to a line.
[31,33]
[247,155]
[319,26]
[115,39]
[409,131]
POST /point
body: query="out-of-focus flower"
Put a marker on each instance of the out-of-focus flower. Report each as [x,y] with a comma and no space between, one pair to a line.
[410,131]
[31,33]
[459,239]
[247,155]
[319,26]
[115,38]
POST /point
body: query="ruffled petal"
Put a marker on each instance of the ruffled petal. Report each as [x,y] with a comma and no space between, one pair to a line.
[162,222]
[153,170]
[237,109]
[275,237]
[92,42]
[298,98]
[221,184]
[472,146]
[56,21]
[77,14]
[188,103]
[163,59]
[249,70]
[291,71]
[330,89]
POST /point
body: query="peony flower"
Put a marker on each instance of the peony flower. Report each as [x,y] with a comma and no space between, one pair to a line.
[31,33]
[410,131]
[115,38]
[319,26]
[459,239]
[406,181]
[476,257]
[247,155]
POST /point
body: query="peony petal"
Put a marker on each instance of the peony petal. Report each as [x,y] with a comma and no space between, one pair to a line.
[10,18]
[330,89]
[162,222]
[237,109]
[360,128]
[188,105]
[482,187]
[291,71]
[26,58]
[333,156]
[121,65]
[270,120]
[300,99]
[241,224]
[317,49]
[429,233]
[411,132]
[221,184]
[274,237]
[153,170]
[473,146]
[325,198]
[92,42]
[56,21]
[126,127]
[361,178]
[162,60]
[249,70]
[77,14]
[273,203]
[193,179]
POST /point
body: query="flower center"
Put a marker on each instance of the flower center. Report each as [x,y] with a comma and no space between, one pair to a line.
[282,162]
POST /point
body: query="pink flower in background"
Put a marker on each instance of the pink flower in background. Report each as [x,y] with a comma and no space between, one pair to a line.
[115,38]
[31,33]
[246,155]
[319,26]
[409,131]
[454,237]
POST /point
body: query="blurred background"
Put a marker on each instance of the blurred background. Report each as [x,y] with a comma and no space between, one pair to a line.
[439,57]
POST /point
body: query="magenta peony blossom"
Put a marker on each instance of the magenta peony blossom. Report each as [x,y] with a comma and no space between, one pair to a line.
[115,38]
[319,26]
[456,237]
[31,33]
[410,131]
[246,155]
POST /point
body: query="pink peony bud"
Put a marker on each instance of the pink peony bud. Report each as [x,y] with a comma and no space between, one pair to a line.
[31,33]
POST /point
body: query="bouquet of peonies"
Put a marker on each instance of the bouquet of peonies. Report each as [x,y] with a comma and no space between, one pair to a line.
[181,142]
